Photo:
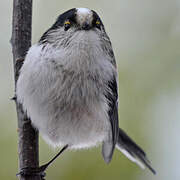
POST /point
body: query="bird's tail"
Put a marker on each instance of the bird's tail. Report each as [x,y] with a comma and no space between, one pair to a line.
[129,148]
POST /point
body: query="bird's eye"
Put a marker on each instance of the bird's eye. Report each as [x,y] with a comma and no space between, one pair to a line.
[98,24]
[67,25]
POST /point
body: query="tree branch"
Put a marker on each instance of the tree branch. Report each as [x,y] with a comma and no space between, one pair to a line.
[21,41]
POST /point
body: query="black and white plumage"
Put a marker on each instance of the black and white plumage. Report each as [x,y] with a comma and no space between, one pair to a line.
[68,87]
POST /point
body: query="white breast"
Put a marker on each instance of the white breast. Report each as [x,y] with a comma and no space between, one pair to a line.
[62,91]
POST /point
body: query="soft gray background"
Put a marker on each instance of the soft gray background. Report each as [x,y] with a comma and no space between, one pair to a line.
[146,40]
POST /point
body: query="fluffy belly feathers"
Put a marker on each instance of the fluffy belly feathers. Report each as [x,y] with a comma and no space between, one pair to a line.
[75,116]
[66,107]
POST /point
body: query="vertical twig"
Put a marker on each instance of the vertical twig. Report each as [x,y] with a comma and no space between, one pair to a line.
[21,41]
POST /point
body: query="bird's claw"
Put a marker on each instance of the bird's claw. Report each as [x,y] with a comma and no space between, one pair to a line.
[32,171]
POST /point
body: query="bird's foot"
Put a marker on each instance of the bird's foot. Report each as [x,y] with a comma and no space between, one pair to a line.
[32,171]
[39,171]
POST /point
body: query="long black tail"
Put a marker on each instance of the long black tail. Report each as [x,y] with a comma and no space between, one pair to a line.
[128,147]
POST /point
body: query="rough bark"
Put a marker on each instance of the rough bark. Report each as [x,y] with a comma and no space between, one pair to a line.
[21,41]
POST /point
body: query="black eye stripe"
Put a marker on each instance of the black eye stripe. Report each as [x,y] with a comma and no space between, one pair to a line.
[95,19]
[68,15]
[67,26]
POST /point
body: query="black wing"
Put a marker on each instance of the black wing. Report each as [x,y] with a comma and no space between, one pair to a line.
[112,97]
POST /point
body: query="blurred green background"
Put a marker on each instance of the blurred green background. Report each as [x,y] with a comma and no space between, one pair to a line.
[146,41]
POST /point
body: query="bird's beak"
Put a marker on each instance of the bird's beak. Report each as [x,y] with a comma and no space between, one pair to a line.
[86,26]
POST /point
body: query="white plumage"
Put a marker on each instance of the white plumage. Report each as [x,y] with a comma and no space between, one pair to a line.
[57,91]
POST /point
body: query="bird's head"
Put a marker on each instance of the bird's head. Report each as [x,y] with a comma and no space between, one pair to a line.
[79,18]
[73,21]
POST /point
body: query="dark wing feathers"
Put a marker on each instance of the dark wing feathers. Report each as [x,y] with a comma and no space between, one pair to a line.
[112,97]
[113,108]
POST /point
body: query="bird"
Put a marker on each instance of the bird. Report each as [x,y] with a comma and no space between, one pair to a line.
[68,86]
